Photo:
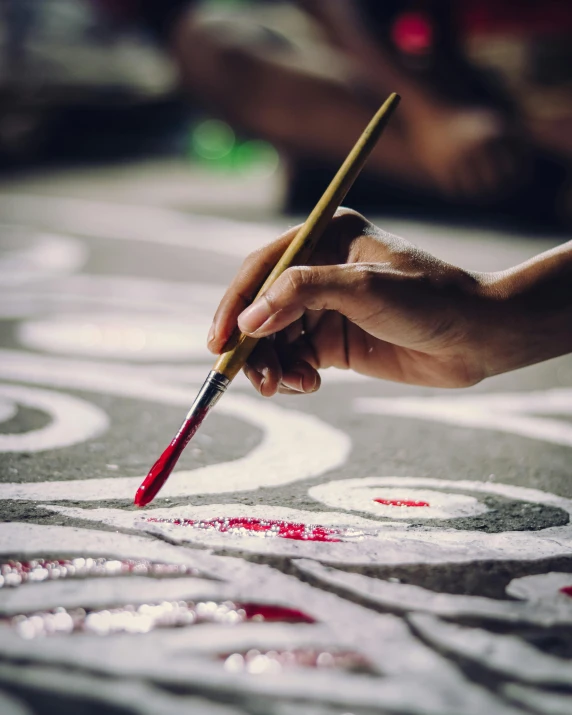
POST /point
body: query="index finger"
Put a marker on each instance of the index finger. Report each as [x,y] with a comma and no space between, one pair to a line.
[244,287]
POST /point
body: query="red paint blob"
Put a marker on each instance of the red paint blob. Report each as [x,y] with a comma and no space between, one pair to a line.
[163,467]
[566,590]
[401,502]
[269,527]
[16,573]
[273,614]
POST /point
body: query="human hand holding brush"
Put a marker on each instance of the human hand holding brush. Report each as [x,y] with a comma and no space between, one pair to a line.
[238,346]
[376,304]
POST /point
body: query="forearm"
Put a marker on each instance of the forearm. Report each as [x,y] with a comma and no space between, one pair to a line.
[529,311]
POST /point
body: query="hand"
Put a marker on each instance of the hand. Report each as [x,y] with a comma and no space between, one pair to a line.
[370,302]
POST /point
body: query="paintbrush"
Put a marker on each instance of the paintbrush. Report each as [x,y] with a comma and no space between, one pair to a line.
[239,346]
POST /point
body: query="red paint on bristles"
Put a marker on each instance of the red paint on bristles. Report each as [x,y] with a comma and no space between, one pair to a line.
[160,471]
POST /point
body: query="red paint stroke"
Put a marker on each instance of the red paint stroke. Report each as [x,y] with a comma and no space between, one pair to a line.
[566,590]
[146,617]
[270,613]
[401,502]
[264,662]
[268,527]
[160,471]
[16,573]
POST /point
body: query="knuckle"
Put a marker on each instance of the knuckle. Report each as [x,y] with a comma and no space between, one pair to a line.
[346,211]
[258,256]
[291,288]
[349,221]
[297,279]
[252,260]
[366,277]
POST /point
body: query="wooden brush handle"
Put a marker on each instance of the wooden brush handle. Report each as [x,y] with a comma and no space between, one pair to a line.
[239,345]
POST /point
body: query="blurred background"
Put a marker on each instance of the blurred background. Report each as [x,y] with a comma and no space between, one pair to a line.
[247,108]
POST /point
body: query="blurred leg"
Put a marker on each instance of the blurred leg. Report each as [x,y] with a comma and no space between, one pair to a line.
[263,84]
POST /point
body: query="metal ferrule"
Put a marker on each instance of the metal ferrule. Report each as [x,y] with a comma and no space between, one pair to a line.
[213,388]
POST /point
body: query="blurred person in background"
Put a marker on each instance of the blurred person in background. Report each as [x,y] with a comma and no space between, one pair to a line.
[486,87]
[487,90]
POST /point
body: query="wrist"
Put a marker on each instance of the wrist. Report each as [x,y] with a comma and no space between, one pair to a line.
[525,313]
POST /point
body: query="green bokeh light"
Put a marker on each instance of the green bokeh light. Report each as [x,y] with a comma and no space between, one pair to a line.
[213,143]
[256,157]
[212,139]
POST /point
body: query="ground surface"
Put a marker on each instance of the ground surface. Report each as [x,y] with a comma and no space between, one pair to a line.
[459,603]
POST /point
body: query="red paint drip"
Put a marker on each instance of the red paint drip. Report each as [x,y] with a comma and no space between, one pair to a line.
[146,617]
[266,662]
[566,590]
[16,573]
[266,527]
[163,467]
[401,502]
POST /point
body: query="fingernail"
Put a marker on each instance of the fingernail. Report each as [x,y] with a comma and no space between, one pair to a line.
[294,381]
[210,336]
[254,316]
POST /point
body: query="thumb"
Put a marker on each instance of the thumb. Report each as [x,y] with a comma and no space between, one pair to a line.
[299,289]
